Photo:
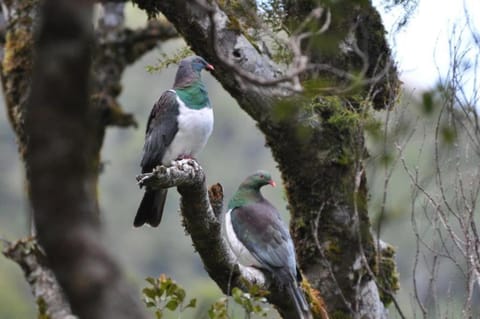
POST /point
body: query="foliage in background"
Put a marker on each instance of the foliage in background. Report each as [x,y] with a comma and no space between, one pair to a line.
[165,60]
[165,294]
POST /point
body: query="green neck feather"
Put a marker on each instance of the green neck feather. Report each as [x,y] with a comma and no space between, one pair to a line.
[194,96]
[244,196]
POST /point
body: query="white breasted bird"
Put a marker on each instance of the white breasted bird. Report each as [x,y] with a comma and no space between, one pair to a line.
[259,239]
[178,127]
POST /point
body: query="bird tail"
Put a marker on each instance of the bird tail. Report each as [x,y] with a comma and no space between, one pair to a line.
[150,210]
[301,304]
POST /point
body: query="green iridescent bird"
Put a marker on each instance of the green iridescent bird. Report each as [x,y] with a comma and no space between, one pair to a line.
[259,239]
[178,127]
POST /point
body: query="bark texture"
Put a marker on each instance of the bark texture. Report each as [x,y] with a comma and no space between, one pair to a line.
[317,142]
[67,227]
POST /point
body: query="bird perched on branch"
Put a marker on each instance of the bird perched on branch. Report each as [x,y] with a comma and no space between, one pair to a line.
[259,239]
[178,127]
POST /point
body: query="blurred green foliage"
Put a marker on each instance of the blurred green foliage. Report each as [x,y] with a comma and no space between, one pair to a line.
[165,60]
[163,294]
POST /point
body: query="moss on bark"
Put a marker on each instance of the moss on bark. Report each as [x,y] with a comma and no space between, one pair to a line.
[16,66]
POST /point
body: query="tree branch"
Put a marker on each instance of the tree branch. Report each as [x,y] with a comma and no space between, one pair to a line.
[203,223]
[50,299]
[118,47]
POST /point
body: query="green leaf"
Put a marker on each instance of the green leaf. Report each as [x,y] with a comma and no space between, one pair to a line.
[192,303]
[180,293]
[449,135]
[172,304]
[151,281]
[427,102]
[150,293]
[159,314]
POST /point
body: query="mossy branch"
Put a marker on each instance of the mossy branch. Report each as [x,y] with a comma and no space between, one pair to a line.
[201,211]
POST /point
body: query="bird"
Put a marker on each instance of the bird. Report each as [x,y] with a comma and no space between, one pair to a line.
[179,125]
[259,240]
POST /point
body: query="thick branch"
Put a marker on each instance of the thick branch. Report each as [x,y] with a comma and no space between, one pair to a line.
[203,223]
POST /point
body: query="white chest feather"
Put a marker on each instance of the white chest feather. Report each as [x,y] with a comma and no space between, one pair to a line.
[242,254]
[248,265]
[194,129]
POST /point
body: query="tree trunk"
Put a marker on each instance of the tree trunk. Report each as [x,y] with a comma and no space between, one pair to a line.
[62,160]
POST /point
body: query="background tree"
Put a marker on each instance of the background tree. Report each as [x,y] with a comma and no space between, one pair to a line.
[431,144]
[312,103]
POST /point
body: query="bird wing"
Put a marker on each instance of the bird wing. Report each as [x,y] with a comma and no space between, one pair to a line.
[259,227]
[162,126]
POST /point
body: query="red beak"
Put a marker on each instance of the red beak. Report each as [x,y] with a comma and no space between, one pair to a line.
[209,67]
[271,182]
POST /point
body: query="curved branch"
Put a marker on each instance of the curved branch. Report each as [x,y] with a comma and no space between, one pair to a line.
[201,211]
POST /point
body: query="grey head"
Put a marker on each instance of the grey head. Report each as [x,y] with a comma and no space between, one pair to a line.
[189,70]
[257,180]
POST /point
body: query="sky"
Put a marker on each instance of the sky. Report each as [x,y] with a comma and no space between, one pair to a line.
[422,47]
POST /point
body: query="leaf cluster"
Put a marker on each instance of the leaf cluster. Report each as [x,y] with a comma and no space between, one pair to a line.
[165,294]
[252,302]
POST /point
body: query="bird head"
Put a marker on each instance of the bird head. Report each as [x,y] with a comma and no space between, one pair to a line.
[189,70]
[258,180]
[196,63]
[199,64]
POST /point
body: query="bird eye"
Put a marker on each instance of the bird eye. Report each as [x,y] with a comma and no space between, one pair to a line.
[262,176]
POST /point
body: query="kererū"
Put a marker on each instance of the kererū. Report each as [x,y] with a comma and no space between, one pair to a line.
[178,127]
[259,239]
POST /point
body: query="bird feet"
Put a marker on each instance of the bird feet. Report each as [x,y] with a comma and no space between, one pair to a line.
[185,156]
[188,160]
[252,274]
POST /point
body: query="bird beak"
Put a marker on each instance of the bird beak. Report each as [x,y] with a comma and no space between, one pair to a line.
[209,67]
[271,182]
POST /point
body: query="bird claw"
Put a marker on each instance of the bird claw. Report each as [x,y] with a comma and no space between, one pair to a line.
[141,179]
